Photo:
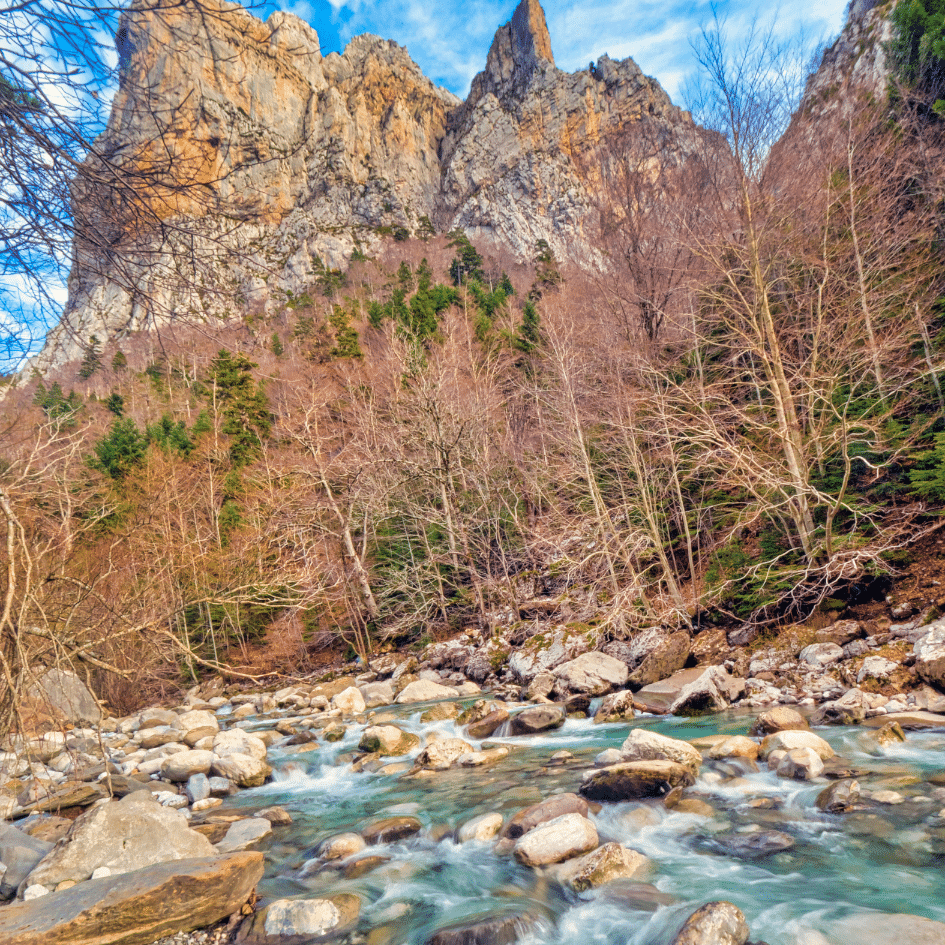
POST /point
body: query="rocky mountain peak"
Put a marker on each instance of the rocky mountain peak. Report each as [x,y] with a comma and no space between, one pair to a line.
[520,48]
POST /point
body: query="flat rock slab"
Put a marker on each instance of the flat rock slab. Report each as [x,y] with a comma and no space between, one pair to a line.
[659,696]
[136,908]
[908,720]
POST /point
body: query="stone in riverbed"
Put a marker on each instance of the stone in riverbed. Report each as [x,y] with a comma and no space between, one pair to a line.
[590,674]
[540,718]
[184,765]
[388,741]
[497,930]
[350,701]
[243,770]
[667,654]
[821,654]
[237,742]
[424,690]
[617,707]
[391,829]
[489,723]
[802,764]
[560,839]
[442,754]
[123,835]
[139,907]
[754,846]
[610,862]
[377,694]
[636,779]
[789,740]
[929,653]
[341,846]
[67,795]
[711,691]
[715,923]
[484,827]
[286,918]
[737,746]
[440,712]
[549,809]
[779,719]
[243,834]
[877,928]
[839,796]
[643,745]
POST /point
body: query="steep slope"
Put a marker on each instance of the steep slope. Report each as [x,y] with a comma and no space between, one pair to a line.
[238,160]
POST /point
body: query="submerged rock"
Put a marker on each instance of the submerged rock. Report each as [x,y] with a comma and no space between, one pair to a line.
[839,796]
[484,827]
[391,829]
[610,862]
[496,930]
[754,846]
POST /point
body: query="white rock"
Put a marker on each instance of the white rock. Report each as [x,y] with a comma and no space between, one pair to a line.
[788,741]
[350,701]
[560,839]
[803,764]
[243,834]
[34,892]
[484,827]
[821,654]
[642,745]
[876,667]
[422,690]
[237,742]
[591,674]
[296,917]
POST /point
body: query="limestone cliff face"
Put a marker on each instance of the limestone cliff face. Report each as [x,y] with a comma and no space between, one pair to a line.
[244,157]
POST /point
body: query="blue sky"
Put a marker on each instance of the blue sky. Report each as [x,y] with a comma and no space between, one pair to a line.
[450,40]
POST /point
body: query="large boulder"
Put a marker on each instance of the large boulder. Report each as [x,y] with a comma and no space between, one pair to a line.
[442,753]
[20,854]
[545,651]
[667,656]
[349,700]
[779,719]
[715,923]
[237,742]
[377,693]
[425,690]
[634,651]
[246,771]
[183,765]
[123,835]
[660,697]
[560,839]
[642,745]
[930,655]
[591,674]
[388,740]
[63,694]
[820,655]
[617,707]
[136,908]
[636,779]
[711,690]
[540,718]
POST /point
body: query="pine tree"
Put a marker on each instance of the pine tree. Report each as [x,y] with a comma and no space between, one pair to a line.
[246,415]
[92,360]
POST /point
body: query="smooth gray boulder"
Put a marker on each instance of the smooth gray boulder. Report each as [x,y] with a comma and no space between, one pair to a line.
[65,695]
[123,835]
[243,834]
[560,839]
[20,854]
[591,674]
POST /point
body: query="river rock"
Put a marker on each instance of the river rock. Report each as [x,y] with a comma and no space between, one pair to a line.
[779,719]
[484,827]
[237,742]
[590,674]
[388,740]
[877,928]
[617,707]
[789,740]
[441,754]
[68,794]
[802,764]
[20,853]
[842,633]
[544,651]
[821,654]
[341,846]
[643,745]
[65,695]
[139,907]
[184,765]
[244,770]
[349,700]
[197,722]
[377,694]
[425,690]
[929,653]
[500,929]
[242,834]
[476,759]
[712,690]
[123,835]
[549,809]
[839,796]
[391,829]
[198,788]
[541,687]
[667,656]
[849,709]
[755,846]
[287,918]
[441,712]
[560,839]
[607,863]
[540,718]
[910,721]
[715,923]
[636,779]
[736,746]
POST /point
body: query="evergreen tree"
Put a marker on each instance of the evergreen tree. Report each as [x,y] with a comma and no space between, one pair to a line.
[119,361]
[527,336]
[467,263]
[246,415]
[57,406]
[92,360]
[115,404]
[121,449]
[278,349]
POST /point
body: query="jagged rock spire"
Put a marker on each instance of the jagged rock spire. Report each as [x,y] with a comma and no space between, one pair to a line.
[521,48]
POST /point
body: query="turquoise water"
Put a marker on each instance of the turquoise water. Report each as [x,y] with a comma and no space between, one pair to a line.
[886,858]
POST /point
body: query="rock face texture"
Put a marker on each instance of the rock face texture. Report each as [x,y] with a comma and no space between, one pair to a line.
[239,140]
